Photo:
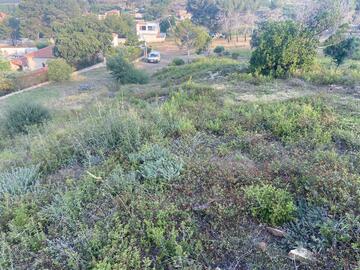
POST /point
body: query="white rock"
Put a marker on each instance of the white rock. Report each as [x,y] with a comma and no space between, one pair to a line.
[302,254]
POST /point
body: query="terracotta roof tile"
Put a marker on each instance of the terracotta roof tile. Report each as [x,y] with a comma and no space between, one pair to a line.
[47,52]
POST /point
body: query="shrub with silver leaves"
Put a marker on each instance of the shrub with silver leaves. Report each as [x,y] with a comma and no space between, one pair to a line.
[157,162]
[18,181]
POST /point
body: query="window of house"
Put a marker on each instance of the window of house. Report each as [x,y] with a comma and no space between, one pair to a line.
[151,28]
[143,28]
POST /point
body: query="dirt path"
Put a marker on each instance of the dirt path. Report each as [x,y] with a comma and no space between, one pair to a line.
[169,50]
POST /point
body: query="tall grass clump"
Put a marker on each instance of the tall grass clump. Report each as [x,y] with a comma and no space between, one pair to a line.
[88,141]
[23,115]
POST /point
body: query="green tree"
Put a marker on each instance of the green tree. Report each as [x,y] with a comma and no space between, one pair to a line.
[155,9]
[124,71]
[343,50]
[10,29]
[207,13]
[222,15]
[38,16]
[82,40]
[189,36]
[123,25]
[281,48]
[59,70]
[328,15]
[167,24]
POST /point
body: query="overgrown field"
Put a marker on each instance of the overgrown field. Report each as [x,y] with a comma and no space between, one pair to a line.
[187,172]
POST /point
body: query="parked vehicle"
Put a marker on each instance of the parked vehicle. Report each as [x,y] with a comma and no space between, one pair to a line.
[154,57]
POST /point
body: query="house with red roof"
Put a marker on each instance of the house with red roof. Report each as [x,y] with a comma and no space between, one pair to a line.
[34,60]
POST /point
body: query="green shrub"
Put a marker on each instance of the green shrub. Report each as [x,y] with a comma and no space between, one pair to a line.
[18,181]
[178,62]
[226,53]
[315,229]
[251,78]
[343,50]
[87,141]
[6,85]
[59,70]
[235,55]
[323,72]
[42,44]
[269,204]
[125,72]
[23,115]
[156,162]
[281,48]
[219,49]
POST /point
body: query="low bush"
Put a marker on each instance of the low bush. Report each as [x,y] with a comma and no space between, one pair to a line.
[18,181]
[42,44]
[235,55]
[199,68]
[293,121]
[88,141]
[23,115]
[178,62]
[315,229]
[156,162]
[269,204]
[219,49]
[251,78]
[6,85]
[324,72]
[59,70]
[124,72]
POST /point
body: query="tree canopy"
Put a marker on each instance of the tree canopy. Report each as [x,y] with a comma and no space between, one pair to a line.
[189,36]
[82,39]
[343,50]
[38,16]
[281,48]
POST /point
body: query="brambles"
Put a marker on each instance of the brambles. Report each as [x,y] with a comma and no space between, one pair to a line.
[24,115]
[269,204]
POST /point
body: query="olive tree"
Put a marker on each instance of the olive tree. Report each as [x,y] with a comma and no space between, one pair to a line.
[189,36]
